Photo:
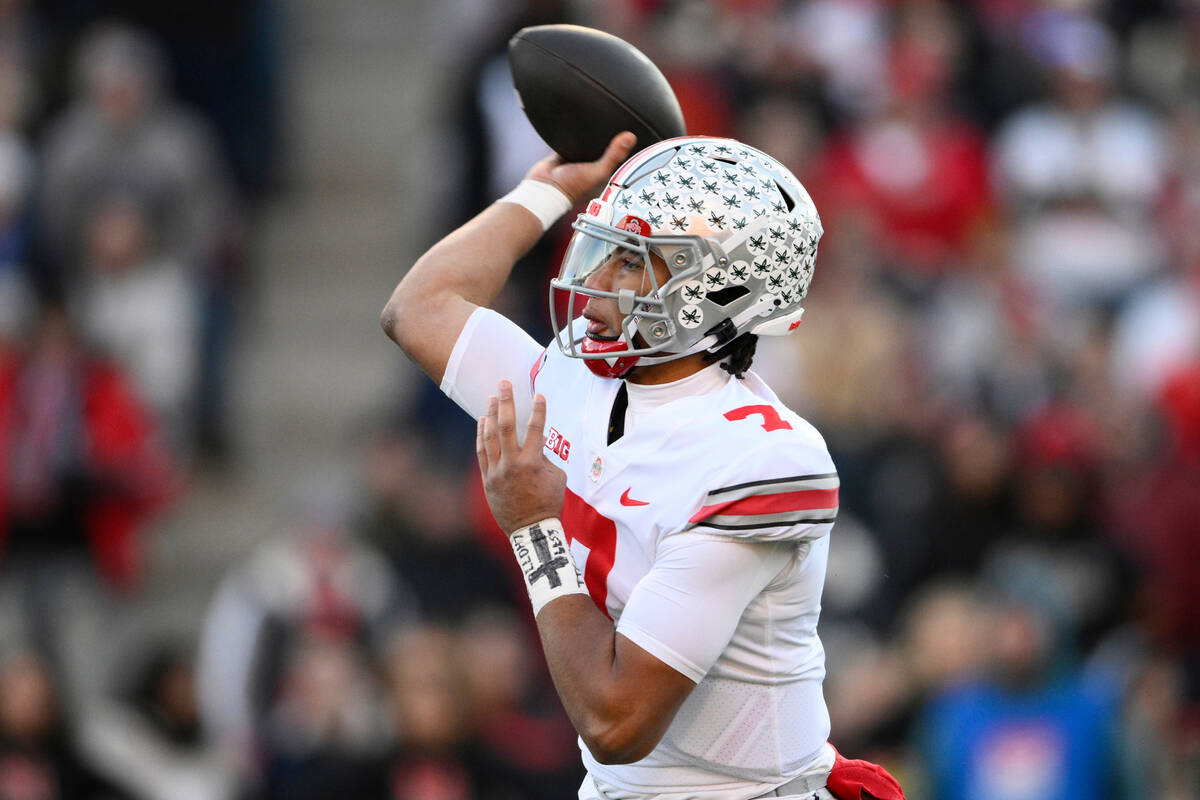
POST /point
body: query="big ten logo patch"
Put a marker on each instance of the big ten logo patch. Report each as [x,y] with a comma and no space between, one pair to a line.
[558,445]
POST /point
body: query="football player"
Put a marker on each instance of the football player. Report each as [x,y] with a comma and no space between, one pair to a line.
[670,514]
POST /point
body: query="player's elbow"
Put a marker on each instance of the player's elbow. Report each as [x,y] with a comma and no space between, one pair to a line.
[400,319]
[390,318]
[618,743]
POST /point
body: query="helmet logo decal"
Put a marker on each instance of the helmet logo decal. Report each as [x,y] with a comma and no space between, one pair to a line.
[761,268]
[739,272]
[693,291]
[757,244]
[691,316]
[715,278]
[634,225]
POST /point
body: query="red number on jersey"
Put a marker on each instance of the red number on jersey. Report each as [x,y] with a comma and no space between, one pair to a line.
[598,534]
[771,421]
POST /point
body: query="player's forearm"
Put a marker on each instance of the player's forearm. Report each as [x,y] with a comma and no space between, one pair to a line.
[617,718]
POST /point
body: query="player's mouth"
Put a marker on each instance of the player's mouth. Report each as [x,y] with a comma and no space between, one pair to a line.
[596,328]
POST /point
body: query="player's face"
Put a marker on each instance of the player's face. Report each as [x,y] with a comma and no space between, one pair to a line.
[624,269]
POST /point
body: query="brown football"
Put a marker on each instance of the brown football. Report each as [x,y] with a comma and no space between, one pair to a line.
[580,87]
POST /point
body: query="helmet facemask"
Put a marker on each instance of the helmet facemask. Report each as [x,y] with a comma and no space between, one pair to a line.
[646,328]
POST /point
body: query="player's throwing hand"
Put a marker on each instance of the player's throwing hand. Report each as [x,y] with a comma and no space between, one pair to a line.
[522,487]
[578,181]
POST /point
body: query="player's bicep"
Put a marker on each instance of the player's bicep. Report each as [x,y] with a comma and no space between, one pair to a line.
[686,609]
[489,349]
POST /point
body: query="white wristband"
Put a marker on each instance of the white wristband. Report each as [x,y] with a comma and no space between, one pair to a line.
[541,199]
[545,559]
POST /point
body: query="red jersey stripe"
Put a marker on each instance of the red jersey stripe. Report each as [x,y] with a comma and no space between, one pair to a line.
[803,500]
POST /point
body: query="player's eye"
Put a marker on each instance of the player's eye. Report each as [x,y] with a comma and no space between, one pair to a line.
[629,261]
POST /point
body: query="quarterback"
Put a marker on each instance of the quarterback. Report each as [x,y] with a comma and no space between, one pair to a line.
[670,514]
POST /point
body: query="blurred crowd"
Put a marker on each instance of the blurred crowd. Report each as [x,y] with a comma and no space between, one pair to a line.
[1002,349]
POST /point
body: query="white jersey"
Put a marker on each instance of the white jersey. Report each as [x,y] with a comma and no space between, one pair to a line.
[703,534]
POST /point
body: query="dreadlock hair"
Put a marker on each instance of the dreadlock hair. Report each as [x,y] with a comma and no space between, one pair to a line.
[739,352]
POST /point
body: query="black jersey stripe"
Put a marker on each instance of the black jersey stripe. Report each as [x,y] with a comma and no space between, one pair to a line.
[752,526]
[772,481]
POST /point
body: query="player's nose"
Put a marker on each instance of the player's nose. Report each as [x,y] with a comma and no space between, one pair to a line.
[600,278]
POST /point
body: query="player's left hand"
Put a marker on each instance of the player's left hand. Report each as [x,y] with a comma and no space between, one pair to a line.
[522,486]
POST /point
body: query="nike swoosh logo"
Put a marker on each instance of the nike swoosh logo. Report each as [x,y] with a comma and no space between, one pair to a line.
[626,500]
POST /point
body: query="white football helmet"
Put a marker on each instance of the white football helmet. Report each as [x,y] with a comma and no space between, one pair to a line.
[737,232]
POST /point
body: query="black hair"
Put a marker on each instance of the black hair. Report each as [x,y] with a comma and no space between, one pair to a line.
[737,355]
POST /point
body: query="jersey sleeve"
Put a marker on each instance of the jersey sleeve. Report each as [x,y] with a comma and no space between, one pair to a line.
[686,608]
[491,348]
[781,490]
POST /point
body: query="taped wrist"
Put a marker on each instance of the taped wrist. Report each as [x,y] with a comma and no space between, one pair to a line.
[545,559]
[541,199]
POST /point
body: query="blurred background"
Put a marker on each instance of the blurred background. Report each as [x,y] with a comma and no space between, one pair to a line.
[245,553]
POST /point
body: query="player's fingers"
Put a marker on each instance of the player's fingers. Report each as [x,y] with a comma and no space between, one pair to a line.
[480,450]
[506,418]
[491,435]
[537,422]
[546,164]
[617,151]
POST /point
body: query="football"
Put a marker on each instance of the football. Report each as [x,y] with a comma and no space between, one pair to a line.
[580,87]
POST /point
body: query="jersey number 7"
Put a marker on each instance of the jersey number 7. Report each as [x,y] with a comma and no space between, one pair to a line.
[771,421]
[598,534]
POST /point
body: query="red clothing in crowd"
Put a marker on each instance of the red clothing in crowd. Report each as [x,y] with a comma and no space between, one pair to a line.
[116,446]
[923,188]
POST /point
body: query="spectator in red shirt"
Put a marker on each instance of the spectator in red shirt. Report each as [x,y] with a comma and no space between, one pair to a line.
[83,469]
[914,172]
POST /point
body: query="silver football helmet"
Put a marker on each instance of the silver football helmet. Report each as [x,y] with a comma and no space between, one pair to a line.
[738,234]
